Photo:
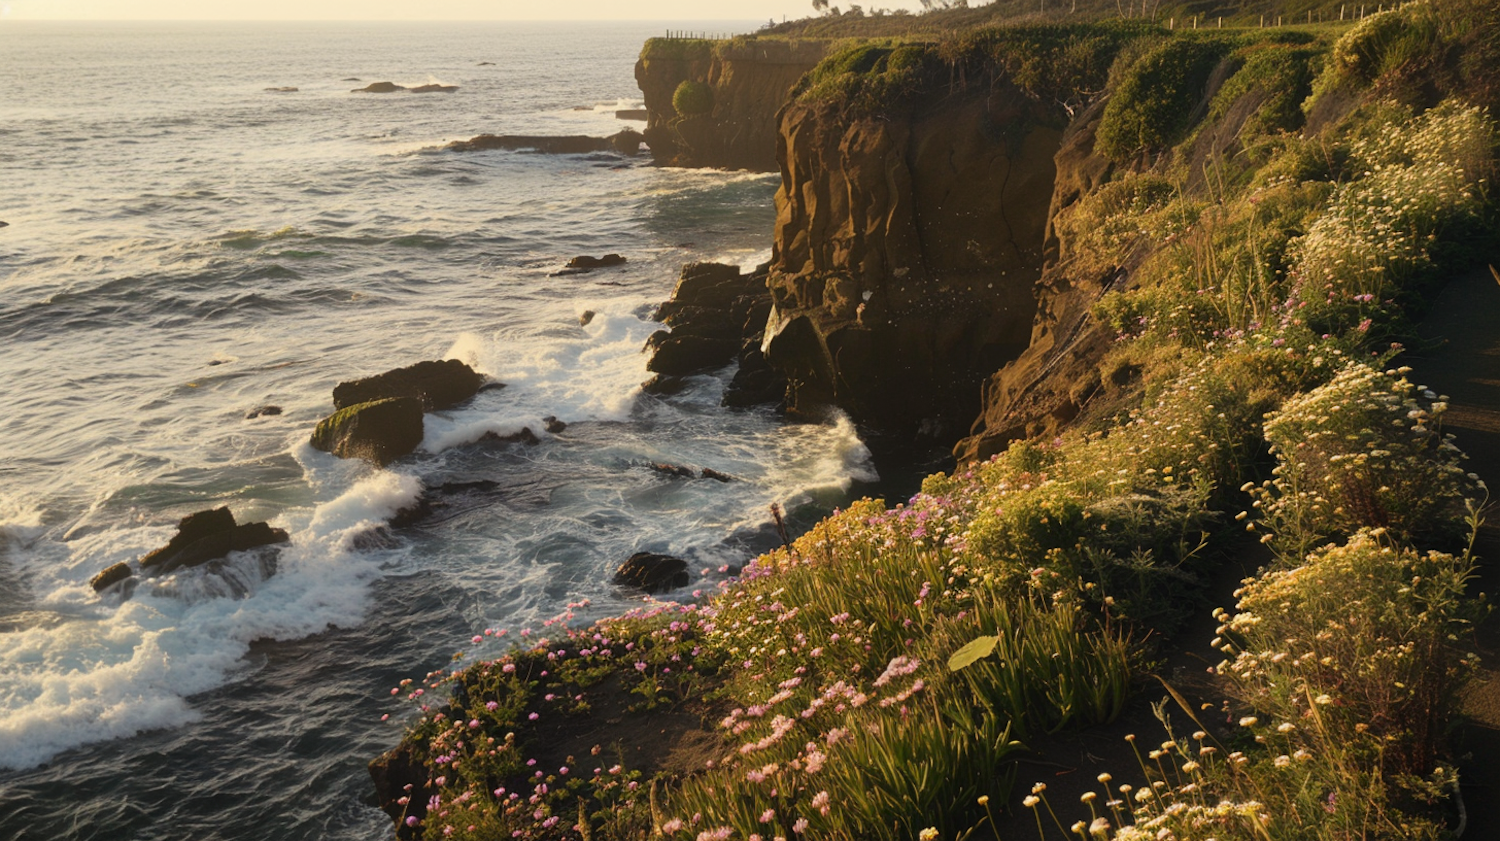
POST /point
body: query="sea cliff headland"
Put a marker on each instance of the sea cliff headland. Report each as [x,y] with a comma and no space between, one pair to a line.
[1158,287]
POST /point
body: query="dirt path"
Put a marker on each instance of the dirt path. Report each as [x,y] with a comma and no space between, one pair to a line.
[1464,363]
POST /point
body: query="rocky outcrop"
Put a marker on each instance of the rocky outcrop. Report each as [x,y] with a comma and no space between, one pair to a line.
[378,87]
[652,572]
[206,536]
[438,385]
[627,142]
[379,431]
[717,315]
[201,537]
[908,247]
[749,80]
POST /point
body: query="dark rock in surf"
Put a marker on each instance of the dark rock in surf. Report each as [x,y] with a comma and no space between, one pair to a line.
[585,317]
[434,89]
[379,87]
[553,425]
[262,412]
[627,142]
[675,355]
[663,385]
[525,436]
[672,470]
[379,431]
[710,473]
[652,572]
[202,537]
[111,576]
[437,385]
[717,315]
[584,261]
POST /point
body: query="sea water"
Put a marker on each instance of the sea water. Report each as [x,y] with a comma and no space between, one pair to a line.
[184,247]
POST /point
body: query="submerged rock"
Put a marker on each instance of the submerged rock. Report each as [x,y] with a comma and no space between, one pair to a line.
[262,412]
[379,431]
[653,572]
[287,89]
[437,385]
[434,88]
[379,87]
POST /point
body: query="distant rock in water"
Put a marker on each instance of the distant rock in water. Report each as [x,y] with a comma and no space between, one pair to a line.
[379,431]
[4,224]
[281,90]
[625,142]
[710,473]
[437,385]
[379,87]
[486,64]
[353,79]
[584,261]
[553,425]
[652,572]
[262,412]
[434,88]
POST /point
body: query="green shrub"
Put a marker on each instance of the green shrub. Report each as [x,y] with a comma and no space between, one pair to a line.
[1358,643]
[1151,107]
[693,98]
[1361,451]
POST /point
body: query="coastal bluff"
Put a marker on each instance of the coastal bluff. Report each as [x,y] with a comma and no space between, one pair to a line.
[742,86]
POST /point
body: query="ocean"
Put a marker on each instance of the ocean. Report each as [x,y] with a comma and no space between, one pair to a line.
[185,246]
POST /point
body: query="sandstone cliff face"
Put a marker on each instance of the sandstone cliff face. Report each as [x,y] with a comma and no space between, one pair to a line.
[908,246]
[749,79]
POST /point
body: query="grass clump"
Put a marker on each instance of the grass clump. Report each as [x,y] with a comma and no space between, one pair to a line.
[693,98]
[1152,106]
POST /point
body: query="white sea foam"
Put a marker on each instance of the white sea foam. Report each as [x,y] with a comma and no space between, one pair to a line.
[108,670]
[595,375]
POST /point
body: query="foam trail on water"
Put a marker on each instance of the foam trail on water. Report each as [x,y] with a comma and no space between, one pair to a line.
[107,670]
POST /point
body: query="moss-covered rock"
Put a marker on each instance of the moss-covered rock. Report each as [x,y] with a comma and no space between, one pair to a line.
[379,431]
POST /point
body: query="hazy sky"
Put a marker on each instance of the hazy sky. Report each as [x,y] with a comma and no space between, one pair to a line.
[664,10]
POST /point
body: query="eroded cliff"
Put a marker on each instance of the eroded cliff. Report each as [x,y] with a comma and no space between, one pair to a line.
[733,125]
[907,247]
